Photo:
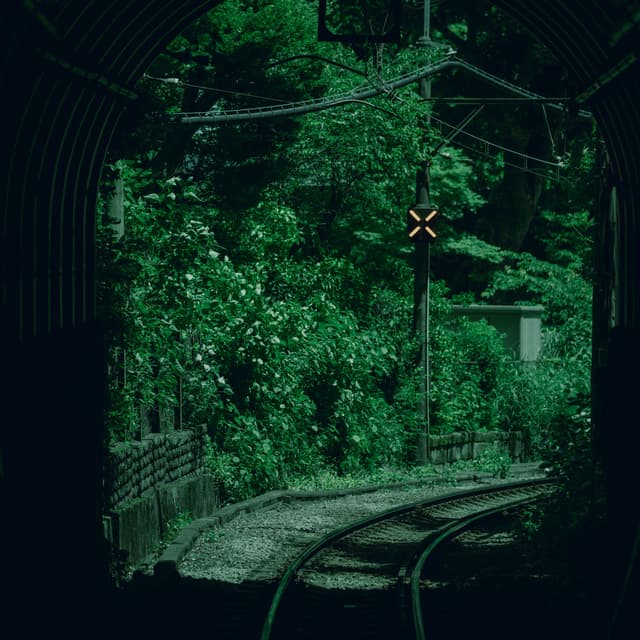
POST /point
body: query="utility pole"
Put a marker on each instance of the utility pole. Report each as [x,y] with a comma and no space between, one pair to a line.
[422,259]
[418,224]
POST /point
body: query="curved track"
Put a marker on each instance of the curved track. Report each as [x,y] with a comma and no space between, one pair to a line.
[390,548]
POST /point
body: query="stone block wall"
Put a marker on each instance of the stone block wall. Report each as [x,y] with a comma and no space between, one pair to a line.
[133,468]
[469,445]
[151,482]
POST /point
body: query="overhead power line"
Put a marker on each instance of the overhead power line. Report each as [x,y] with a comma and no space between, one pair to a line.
[530,164]
[308,106]
[182,83]
[493,100]
[327,102]
[525,162]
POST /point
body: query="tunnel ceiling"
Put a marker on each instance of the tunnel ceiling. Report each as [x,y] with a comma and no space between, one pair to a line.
[69,69]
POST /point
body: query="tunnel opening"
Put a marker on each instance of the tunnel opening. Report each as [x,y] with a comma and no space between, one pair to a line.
[157,190]
[49,187]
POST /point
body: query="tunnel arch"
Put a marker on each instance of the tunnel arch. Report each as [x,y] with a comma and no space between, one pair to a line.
[70,70]
[68,73]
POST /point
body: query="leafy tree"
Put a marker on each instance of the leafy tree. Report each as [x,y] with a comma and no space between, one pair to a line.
[265,270]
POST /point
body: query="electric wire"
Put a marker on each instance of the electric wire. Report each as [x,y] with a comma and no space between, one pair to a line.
[316,104]
[307,106]
[447,62]
[388,88]
[526,157]
[459,129]
[489,144]
[546,121]
[182,83]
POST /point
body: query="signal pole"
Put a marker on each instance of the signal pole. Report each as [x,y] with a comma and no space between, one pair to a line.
[422,260]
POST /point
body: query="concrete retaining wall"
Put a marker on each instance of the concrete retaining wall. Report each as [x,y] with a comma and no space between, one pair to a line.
[136,528]
[468,446]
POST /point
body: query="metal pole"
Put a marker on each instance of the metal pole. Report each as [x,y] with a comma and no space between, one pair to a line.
[426,21]
[427,361]
[422,258]
[421,287]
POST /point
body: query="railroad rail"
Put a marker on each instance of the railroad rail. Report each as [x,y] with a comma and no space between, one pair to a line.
[403,538]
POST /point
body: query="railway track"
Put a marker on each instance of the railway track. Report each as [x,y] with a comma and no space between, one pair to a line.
[364,579]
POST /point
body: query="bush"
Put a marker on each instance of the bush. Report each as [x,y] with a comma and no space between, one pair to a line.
[528,396]
[290,361]
[572,523]
[533,396]
[278,357]
[466,358]
[495,459]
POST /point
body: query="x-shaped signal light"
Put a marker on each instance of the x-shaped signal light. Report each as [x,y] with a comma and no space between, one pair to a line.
[421,223]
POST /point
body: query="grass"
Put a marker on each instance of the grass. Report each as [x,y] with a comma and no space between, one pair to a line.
[494,462]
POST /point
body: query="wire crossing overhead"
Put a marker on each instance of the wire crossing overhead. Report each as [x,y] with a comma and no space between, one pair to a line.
[327,102]
[309,106]
[530,164]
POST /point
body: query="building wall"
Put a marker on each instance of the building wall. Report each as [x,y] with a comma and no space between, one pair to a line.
[521,326]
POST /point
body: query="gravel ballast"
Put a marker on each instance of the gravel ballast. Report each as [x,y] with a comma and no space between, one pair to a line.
[257,544]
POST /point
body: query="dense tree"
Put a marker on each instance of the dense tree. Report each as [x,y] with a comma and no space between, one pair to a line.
[489,39]
[265,268]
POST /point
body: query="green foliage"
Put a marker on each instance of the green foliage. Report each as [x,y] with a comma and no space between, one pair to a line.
[568,444]
[566,239]
[531,398]
[473,247]
[455,186]
[562,526]
[265,268]
[494,459]
[526,400]
[327,479]
[466,360]
[285,377]
[175,526]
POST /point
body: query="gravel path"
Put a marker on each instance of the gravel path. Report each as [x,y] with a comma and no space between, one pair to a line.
[258,546]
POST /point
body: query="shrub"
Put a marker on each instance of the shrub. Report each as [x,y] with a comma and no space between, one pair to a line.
[495,459]
[466,357]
